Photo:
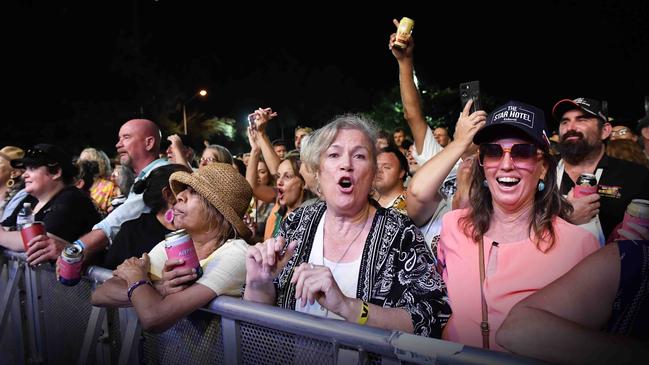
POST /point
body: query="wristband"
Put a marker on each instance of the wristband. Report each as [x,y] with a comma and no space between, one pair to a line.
[133,286]
[80,244]
[362,318]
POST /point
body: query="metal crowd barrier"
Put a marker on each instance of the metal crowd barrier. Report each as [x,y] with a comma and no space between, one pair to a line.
[44,322]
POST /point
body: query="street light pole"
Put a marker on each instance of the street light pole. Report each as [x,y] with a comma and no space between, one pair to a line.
[185,119]
[201,92]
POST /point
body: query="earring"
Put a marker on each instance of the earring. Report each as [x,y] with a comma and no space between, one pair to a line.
[10,183]
[485,183]
[541,186]
[169,215]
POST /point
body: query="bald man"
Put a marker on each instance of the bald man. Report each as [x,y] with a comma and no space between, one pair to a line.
[138,147]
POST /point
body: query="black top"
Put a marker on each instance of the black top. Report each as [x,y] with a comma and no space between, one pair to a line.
[397,268]
[621,182]
[134,238]
[69,214]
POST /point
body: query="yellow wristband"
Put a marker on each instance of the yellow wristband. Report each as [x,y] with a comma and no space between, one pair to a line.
[362,318]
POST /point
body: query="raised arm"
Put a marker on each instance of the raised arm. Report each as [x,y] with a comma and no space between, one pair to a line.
[412,111]
[178,148]
[262,192]
[262,117]
[422,197]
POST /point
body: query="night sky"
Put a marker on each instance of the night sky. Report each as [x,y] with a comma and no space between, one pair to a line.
[67,66]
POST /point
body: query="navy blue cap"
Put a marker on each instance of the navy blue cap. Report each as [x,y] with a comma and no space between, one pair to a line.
[515,117]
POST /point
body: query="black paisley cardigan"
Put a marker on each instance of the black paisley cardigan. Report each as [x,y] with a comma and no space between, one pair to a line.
[397,270]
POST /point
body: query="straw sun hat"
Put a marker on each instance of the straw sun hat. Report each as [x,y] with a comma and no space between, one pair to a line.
[223,187]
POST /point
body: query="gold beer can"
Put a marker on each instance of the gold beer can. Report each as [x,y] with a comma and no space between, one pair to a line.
[403,32]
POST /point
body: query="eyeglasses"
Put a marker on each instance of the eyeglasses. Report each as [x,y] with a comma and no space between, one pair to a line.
[209,159]
[522,154]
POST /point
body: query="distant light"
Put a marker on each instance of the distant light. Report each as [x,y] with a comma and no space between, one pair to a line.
[423,91]
[203,92]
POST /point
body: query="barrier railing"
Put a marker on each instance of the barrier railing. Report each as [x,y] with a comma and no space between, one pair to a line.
[44,322]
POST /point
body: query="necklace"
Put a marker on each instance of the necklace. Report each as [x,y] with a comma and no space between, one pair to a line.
[351,243]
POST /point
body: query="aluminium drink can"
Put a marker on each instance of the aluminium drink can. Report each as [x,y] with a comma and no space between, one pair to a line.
[586,185]
[70,265]
[403,32]
[179,245]
[636,212]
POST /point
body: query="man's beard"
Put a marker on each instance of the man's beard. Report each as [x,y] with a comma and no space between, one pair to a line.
[574,151]
[127,161]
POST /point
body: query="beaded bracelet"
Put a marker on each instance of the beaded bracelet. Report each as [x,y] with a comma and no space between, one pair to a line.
[362,318]
[135,285]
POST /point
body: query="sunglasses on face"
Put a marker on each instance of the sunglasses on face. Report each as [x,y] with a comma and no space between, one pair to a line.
[522,153]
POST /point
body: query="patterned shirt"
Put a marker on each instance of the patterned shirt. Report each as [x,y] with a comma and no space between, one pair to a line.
[397,267]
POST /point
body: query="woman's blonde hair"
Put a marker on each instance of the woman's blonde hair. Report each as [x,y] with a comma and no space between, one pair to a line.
[223,155]
[103,162]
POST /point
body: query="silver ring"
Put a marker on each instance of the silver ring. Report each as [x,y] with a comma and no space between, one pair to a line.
[311,266]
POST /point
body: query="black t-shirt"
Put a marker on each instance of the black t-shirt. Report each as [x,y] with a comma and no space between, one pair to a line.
[69,214]
[621,182]
[134,238]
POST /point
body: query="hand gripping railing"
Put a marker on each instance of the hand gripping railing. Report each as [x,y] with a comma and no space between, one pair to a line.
[243,326]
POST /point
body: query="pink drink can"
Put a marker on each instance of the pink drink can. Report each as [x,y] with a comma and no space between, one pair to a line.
[586,185]
[31,230]
[70,265]
[636,212]
[179,245]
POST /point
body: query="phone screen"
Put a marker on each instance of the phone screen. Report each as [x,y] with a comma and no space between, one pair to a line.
[470,91]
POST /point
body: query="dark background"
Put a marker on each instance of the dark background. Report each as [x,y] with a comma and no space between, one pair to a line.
[74,72]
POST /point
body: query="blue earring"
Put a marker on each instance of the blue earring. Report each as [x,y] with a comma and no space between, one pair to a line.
[541,186]
[484,183]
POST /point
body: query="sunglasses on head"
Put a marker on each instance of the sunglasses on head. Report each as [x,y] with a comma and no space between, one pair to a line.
[492,153]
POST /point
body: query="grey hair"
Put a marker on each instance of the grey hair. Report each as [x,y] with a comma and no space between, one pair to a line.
[223,155]
[322,138]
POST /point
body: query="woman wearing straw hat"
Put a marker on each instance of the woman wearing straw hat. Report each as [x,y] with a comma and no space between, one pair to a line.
[210,205]
[10,181]
[349,258]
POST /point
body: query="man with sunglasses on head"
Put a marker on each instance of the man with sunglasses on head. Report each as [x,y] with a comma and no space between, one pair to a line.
[583,128]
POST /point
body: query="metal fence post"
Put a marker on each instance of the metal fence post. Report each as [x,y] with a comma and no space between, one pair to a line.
[231,341]
[7,297]
[131,340]
[92,333]
[36,331]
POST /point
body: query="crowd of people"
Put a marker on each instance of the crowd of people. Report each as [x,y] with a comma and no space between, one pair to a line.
[484,239]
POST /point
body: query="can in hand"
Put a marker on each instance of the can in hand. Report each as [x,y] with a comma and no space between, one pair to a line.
[586,185]
[70,265]
[403,32]
[31,230]
[636,212]
[179,245]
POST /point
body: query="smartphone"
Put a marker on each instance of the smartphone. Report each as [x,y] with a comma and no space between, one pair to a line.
[470,91]
[251,121]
